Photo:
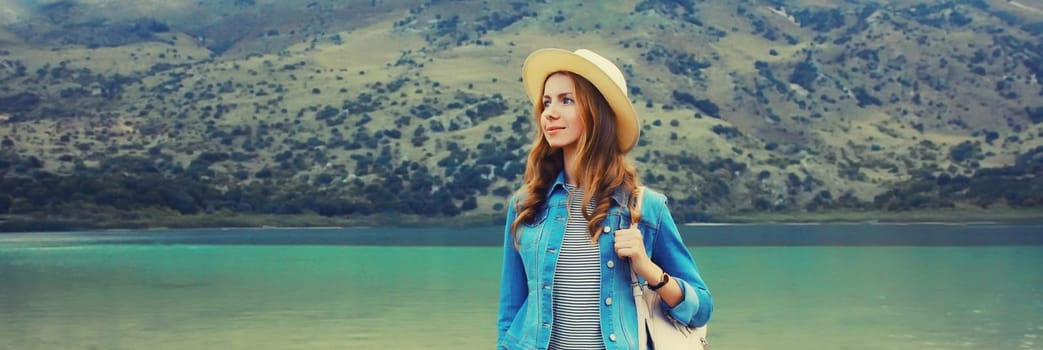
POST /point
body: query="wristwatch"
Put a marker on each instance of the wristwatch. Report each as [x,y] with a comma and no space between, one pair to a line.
[666,278]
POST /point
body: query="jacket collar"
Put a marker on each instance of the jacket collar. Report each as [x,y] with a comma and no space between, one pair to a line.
[618,195]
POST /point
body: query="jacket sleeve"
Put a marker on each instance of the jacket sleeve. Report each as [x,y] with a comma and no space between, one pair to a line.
[513,283]
[673,256]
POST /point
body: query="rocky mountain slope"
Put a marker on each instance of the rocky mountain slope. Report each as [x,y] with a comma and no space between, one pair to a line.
[378,106]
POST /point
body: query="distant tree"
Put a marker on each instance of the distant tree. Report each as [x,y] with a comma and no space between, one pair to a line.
[964,151]
[212,157]
[324,179]
[804,74]
[469,204]
[1031,161]
[991,136]
[726,131]
[1035,114]
[20,102]
[864,98]
[959,19]
[820,21]
[263,173]
[113,197]
[327,112]
[488,109]
[943,179]
[704,105]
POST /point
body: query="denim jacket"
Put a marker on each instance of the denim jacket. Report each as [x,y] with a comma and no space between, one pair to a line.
[525,316]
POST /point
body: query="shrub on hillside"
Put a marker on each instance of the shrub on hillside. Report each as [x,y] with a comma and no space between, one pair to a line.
[864,98]
[964,151]
[326,112]
[704,105]
[495,21]
[678,62]
[804,74]
[21,102]
[726,131]
[470,203]
[1035,114]
[487,108]
[5,204]
[424,111]
[820,21]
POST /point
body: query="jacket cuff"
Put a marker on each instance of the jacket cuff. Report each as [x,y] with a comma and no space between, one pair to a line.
[689,305]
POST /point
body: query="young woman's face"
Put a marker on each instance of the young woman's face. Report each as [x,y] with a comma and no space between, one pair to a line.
[561,121]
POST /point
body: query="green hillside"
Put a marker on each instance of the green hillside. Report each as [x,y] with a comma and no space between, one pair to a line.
[128,113]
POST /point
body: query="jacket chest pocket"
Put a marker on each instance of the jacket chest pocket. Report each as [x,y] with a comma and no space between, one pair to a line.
[622,221]
[532,233]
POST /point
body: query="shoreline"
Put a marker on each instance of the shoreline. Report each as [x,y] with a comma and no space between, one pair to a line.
[932,216]
[225,220]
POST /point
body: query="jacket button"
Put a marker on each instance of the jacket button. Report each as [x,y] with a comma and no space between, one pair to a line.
[606,229]
[610,264]
[608,301]
[612,337]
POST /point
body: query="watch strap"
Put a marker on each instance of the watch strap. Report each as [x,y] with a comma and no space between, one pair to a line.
[666,278]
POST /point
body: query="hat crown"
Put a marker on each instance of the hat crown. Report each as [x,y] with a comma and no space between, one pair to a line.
[606,66]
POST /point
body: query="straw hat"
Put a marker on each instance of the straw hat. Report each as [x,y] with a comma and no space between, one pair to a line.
[605,76]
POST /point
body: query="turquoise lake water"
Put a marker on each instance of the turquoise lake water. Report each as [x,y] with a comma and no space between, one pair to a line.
[431,289]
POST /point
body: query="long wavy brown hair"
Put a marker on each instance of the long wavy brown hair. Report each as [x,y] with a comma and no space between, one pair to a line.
[602,166]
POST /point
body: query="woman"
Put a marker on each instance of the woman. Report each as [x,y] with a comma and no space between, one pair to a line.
[568,246]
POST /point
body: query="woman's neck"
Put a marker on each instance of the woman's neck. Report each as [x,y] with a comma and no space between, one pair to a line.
[572,172]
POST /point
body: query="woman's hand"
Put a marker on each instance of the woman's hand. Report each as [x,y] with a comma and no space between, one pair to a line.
[629,244]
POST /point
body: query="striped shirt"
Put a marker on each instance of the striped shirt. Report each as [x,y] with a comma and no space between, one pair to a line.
[577,284]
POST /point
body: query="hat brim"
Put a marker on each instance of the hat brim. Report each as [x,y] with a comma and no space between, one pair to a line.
[544,62]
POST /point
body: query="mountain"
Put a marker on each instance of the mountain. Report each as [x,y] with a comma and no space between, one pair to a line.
[368,107]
